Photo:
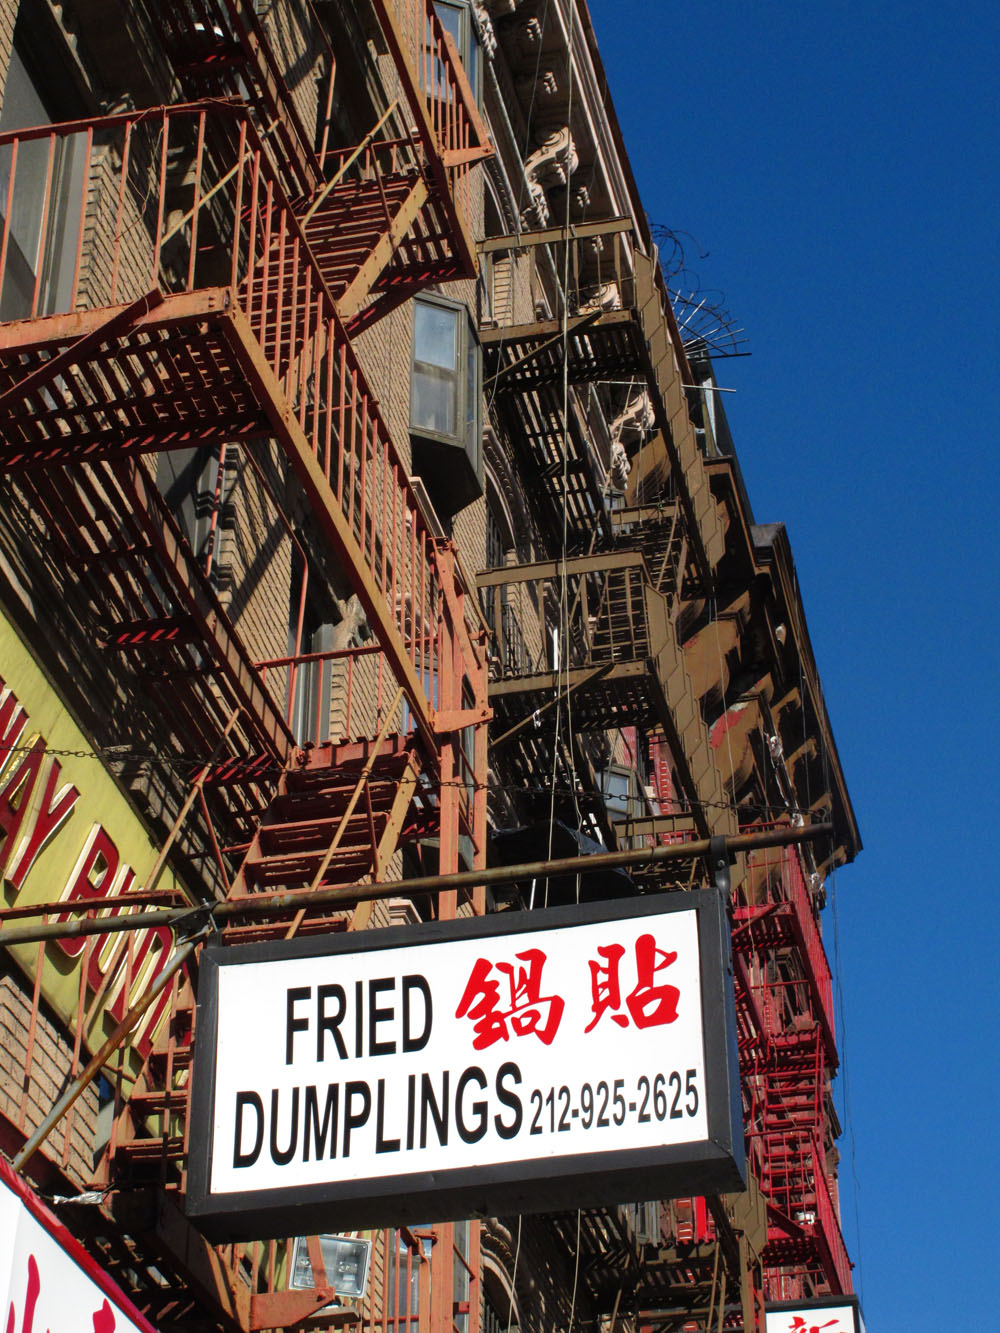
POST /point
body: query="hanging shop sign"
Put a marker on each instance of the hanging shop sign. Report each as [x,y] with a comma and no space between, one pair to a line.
[830,1314]
[47,1279]
[68,833]
[511,1063]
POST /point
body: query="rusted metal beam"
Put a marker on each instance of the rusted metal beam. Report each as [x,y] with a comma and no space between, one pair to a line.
[554,569]
[275,904]
[576,231]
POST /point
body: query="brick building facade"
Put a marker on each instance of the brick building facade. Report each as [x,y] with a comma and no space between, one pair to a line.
[367,516]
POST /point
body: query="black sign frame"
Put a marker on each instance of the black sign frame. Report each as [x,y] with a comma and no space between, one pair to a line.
[712,1165]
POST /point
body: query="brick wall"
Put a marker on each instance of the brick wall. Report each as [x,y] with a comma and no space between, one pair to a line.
[34,1068]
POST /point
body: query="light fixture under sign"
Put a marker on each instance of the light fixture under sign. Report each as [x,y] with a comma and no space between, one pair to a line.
[345,1260]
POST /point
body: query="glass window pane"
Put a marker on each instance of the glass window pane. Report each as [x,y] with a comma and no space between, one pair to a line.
[435,335]
[434,394]
[451,20]
[38,168]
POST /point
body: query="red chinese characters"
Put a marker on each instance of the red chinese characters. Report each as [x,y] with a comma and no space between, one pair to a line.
[515,1005]
[505,1000]
[103,1319]
[648,1004]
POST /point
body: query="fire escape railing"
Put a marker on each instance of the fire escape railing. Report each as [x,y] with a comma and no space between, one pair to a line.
[788,917]
[441,100]
[199,218]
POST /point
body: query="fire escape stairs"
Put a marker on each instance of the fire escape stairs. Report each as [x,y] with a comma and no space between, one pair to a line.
[355,234]
[337,819]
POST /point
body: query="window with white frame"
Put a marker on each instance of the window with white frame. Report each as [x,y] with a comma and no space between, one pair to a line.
[445,403]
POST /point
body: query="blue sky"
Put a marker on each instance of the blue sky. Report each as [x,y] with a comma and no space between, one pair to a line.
[839,165]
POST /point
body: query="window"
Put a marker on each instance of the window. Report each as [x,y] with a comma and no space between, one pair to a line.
[437,369]
[618,787]
[310,683]
[44,224]
[456,19]
[445,404]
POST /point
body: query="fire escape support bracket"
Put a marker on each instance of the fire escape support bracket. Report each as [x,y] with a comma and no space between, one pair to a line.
[331,517]
[718,865]
[288,1309]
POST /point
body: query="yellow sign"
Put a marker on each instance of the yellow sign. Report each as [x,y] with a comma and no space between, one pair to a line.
[67,832]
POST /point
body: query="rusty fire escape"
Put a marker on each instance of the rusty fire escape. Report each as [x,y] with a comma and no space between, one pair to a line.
[222,261]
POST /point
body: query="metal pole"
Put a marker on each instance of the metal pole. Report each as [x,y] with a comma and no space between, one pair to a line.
[98,1061]
[273,904]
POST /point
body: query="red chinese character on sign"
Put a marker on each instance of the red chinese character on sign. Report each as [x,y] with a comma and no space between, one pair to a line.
[522,1010]
[104,1320]
[799,1325]
[648,1004]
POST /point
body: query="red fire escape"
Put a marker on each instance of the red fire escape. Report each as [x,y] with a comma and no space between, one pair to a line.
[220,266]
[788,1054]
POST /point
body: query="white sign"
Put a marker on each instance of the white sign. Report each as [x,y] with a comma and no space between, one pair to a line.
[836,1317]
[49,1280]
[459,1049]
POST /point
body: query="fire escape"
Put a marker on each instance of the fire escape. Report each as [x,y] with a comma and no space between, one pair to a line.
[607,653]
[787,1058]
[220,262]
[588,642]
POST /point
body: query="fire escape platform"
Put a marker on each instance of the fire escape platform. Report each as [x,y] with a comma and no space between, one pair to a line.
[612,694]
[605,345]
[659,533]
[610,1256]
[171,379]
[97,385]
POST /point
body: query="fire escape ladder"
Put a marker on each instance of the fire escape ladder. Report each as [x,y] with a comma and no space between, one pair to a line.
[391,214]
[150,1128]
[357,230]
[785,1071]
[339,817]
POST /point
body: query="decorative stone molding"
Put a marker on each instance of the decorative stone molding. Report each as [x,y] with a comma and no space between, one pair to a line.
[537,213]
[618,471]
[544,87]
[552,164]
[605,297]
[528,38]
[498,8]
[635,418]
[484,29]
